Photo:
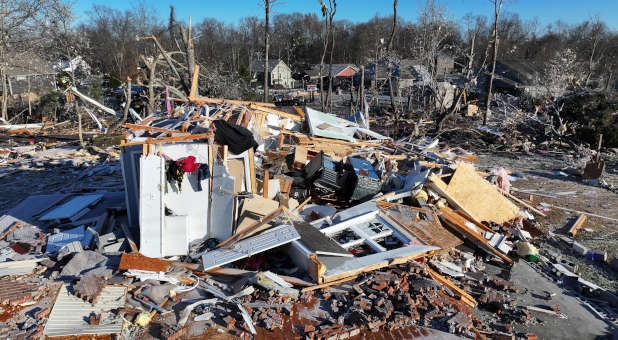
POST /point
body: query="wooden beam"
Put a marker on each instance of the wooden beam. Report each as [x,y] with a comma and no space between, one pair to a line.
[265,184]
[225,154]
[299,111]
[458,223]
[196,75]
[151,128]
[577,224]
[252,171]
[169,139]
[465,297]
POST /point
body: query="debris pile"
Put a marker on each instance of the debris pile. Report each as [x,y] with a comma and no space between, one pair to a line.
[237,217]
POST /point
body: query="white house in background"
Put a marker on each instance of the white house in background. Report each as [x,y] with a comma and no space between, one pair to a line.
[77,64]
[279,73]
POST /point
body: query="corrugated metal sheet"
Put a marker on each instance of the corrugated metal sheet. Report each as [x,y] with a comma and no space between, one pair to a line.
[253,245]
[70,314]
[71,207]
[18,267]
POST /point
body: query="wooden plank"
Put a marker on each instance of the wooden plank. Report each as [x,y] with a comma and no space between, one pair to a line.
[169,139]
[151,129]
[299,111]
[458,223]
[469,218]
[225,154]
[252,171]
[265,184]
[328,284]
[465,297]
[577,224]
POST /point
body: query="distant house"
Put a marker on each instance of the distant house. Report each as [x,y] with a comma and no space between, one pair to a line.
[517,75]
[405,73]
[278,71]
[28,73]
[411,72]
[339,71]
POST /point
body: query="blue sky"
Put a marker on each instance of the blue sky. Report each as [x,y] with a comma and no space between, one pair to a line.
[546,11]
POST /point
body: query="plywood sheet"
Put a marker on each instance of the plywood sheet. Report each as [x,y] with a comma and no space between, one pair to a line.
[479,197]
[425,225]
[253,210]
[236,167]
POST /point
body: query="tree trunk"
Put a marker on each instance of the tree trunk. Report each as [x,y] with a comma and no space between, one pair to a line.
[329,97]
[361,90]
[322,103]
[266,32]
[390,69]
[170,63]
[127,106]
[79,125]
[190,51]
[497,6]
[5,97]
[151,91]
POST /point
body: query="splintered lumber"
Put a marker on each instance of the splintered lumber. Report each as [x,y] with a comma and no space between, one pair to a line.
[150,128]
[251,229]
[168,139]
[458,223]
[465,297]
[577,224]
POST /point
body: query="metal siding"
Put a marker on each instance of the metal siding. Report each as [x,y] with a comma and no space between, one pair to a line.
[70,314]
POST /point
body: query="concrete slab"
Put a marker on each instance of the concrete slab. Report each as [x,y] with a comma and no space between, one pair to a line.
[581,322]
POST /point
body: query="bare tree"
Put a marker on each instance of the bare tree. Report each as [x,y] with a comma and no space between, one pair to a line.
[267,4]
[19,22]
[328,12]
[470,76]
[597,31]
[495,42]
[389,49]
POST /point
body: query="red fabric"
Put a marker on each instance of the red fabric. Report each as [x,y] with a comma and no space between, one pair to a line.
[188,164]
